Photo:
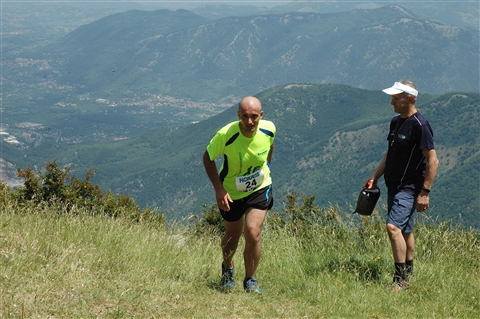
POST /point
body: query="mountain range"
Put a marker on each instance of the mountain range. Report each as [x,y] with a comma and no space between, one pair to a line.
[184,55]
[459,13]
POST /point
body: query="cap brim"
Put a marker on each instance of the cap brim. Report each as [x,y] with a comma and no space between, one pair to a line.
[392,91]
[399,88]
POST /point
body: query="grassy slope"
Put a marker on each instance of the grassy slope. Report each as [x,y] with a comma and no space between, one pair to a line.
[56,265]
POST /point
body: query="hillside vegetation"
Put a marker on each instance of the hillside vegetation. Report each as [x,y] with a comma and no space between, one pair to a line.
[329,140]
[61,261]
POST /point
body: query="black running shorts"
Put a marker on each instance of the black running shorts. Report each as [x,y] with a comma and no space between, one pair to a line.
[261,199]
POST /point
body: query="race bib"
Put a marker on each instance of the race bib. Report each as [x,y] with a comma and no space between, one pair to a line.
[250,182]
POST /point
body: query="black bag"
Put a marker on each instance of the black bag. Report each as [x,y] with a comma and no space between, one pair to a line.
[367,199]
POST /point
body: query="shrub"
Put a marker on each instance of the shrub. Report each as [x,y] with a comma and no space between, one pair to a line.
[211,222]
[301,215]
[3,194]
[57,186]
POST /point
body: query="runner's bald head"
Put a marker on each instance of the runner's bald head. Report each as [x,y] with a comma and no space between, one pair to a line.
[250,102]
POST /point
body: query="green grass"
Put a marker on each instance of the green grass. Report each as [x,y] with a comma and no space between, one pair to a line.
[82,265]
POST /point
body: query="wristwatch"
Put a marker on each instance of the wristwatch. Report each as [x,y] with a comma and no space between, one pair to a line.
[425,189]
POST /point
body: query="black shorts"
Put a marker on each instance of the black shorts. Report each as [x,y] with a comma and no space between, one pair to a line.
[261,199]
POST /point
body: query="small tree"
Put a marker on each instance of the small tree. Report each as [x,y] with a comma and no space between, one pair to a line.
[32,189]
[58,185]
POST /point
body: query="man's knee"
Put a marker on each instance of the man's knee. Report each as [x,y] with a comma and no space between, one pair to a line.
[393,230]
[253,233]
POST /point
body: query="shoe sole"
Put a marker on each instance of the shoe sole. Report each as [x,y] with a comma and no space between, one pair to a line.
[230,286]
[253,291]
[400,287]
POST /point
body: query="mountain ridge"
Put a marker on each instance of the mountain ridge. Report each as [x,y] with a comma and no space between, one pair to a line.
[237,55]
[463,14]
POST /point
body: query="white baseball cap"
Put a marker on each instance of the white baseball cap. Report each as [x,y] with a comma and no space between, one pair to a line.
[399,88]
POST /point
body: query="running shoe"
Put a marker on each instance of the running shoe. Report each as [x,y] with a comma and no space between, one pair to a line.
[250,285]
[227,278]
[400,284]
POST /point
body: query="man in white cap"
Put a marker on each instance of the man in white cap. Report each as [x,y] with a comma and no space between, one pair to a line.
[409,168]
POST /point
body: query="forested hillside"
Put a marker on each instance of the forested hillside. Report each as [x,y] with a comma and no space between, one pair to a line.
[329,139]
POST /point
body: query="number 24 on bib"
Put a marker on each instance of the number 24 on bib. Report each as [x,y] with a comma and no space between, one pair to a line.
[250,182]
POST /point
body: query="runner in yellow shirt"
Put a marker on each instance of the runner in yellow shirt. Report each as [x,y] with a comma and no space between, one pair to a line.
[243,186]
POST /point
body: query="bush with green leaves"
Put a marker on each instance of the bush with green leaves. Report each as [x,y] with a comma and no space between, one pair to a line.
[301,214]
[3,194]
[57,186]
[210,222]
